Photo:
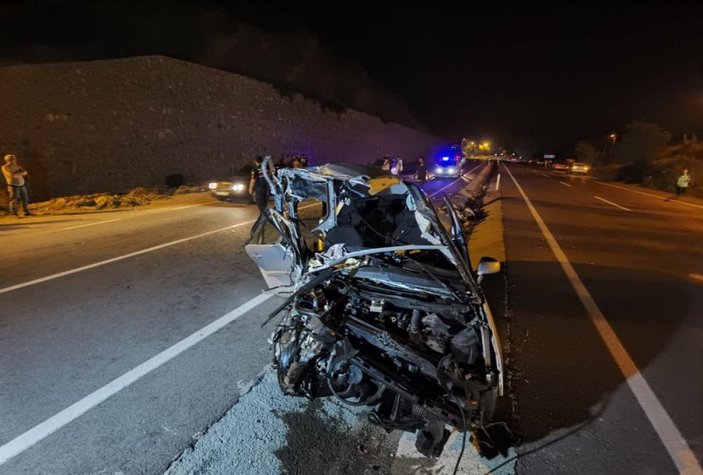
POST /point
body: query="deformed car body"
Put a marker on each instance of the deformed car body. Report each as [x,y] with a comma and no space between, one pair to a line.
[382,308]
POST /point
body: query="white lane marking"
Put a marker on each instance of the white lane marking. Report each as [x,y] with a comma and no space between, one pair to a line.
[189,206]
[498,182]
[128,217]
[679,451]
[149,211]
[566,184]
[90,224]
[462,177]
[116,259]
[652,195]
[23,442]
[127,256]
[545,175]
[611,203]
[445,187]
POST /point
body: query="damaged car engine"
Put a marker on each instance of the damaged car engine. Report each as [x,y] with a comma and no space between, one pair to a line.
[391,320]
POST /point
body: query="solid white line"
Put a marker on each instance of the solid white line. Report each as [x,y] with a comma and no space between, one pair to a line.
[127,256]
[56,422]
[148,210]
[445,187]
[647,194]
[611,203]
[566,184]
[679,451]
[498,182]
[118,258]
[90,224]
[462,177]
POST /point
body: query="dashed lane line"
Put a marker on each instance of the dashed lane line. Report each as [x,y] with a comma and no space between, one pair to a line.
[651,195]
[611,203]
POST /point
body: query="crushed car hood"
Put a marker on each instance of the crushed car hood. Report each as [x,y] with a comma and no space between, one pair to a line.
[383,309]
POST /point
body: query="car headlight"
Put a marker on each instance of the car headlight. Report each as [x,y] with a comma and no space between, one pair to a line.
[237,187]
[451,170]
[438,170]
[212,186]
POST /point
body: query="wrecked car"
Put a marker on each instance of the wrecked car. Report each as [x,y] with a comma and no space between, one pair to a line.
[381,307]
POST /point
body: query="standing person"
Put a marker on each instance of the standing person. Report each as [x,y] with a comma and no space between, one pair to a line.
[386,163]
[421,173]
[258,188]
[462,163]
[682,183]
[396,166]
[17,188]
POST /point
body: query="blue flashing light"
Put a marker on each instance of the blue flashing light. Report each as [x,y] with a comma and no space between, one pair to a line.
[445,159]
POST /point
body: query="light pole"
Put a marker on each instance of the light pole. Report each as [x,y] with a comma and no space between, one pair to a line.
[612,137]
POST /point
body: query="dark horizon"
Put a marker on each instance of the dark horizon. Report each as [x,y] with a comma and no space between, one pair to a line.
[528,77]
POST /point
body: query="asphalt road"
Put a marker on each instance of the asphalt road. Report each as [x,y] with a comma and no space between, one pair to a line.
[107,363]
[587,404]
[126,336]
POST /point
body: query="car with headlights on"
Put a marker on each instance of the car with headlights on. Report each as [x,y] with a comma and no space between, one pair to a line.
[447,167]
[577,167]
[233,188]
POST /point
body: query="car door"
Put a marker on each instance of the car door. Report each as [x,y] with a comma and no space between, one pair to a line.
[272,246]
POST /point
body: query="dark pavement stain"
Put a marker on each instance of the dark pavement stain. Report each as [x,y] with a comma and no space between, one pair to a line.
[317,443]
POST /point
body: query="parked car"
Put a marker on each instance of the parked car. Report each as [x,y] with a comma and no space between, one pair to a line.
[560,167]
[577,167]
[234,188]
[381,306]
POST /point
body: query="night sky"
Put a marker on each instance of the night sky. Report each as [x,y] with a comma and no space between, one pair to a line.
[529,76]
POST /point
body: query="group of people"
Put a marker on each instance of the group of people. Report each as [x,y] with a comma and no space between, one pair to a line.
[292,161]
[16,179]
[395,167]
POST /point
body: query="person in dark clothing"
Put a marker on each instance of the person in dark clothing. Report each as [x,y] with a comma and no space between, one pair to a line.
[258,188]
[421,173]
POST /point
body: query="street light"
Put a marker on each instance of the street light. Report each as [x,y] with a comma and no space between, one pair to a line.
[612,137]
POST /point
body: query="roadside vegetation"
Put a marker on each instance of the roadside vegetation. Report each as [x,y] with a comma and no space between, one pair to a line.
[645,155]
